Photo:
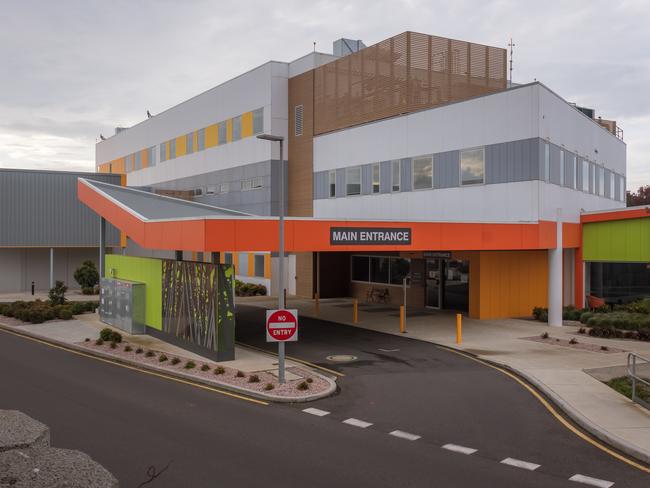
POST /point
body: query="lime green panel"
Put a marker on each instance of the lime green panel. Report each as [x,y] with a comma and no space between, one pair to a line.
[617,240]
[144,270]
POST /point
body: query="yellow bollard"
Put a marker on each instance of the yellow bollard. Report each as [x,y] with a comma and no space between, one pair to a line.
[355,311]
[402,320]
[317,304]
[459,328]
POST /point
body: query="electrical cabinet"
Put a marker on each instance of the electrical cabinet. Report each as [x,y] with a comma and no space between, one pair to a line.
[122,304]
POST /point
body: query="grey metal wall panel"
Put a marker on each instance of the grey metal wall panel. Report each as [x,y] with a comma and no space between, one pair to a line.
[568,169]
[366,179]
[446,169]
[384,177]
[555,164]
[617,187]
[41,209]
[406,175]
[320,185]
[340,182]
[541,150]
[579,173]
[597,178]
[592,171]
[608,175]
[512,161]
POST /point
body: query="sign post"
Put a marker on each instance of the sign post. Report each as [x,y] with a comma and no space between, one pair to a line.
[281,327]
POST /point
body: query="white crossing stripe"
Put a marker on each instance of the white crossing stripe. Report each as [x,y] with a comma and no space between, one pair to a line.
[357,423]
[404,435]
[587,480]
[517,463]
[460,449]
[316,411]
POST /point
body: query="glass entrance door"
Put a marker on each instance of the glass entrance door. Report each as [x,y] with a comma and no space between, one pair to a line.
[434,282]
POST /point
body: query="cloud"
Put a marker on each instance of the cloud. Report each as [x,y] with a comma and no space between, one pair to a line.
[73,69]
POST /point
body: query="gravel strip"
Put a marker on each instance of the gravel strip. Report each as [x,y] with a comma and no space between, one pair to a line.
[583,346]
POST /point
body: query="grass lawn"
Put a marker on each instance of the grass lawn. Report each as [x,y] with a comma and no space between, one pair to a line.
[623,385]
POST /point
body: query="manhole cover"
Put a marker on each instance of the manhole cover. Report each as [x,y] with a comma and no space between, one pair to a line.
[341,358]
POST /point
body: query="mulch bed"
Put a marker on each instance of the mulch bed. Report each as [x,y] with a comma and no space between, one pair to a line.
[229,376]
[583,346]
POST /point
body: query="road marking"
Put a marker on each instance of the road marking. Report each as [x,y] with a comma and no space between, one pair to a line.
[302,361]
[517,463]
[460,449]
[388,350]
[405,435]
[135,368]
[316,411]
[587,480]
[357,423]
[553,411]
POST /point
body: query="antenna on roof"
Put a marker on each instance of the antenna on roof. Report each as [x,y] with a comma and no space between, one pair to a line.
[314,46]
[511,45]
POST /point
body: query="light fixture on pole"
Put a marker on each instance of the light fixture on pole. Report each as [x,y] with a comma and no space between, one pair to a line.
[281,304]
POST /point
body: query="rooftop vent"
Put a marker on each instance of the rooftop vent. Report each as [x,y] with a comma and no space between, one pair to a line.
[120,129]
[343,47]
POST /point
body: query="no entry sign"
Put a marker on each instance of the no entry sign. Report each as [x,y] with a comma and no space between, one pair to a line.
[281,325]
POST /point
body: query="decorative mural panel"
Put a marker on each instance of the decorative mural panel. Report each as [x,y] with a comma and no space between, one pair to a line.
[197,305]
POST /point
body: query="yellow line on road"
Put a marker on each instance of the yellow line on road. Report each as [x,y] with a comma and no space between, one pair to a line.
[554,412]
[302,361]
[135,368]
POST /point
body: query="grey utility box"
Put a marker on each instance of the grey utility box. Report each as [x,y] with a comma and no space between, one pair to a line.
[122,305]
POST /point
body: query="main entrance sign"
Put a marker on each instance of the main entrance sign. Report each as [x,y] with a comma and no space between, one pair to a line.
[281,325]
[373,236]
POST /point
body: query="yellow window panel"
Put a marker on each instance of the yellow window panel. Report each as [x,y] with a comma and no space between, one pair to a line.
[167,150]
[247,124]
[229,130]
[144,155]
[181,146]
[212,135]
[267,266]
[195,140]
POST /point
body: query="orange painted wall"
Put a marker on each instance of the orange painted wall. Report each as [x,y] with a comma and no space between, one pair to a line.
[511,283]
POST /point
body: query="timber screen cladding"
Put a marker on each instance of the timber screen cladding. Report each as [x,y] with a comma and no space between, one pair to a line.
[408,72]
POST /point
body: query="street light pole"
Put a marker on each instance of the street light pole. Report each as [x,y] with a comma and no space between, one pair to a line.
[282,286]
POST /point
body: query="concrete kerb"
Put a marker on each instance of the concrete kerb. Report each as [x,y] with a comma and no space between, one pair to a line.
[182,376]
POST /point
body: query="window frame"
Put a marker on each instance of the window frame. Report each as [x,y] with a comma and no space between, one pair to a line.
[396,163]
[349,170]
[331,183]
[413,175]
[460,166]
[370,257]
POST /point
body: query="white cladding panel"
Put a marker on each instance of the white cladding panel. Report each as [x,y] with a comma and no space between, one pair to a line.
[309,61]
[571,202]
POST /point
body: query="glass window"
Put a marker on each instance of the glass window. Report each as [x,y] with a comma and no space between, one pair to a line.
[222,132]
[395,174]
[422,173]
[332,183]
[246,185]
[137,160]
[172,149]
[258,121]
[189,143]
[227,258]
[379,269]
[236,128]
[376,172]
[574,171]
[201,140]
[601,181]
[224,187]
[472,167]
[561,167]
[128,164]
[612,185]
[622,190]
[592,172]
[257,182]
[585,175]
[399,269]
[360,268]
[259,265]
[163,152]
[353,181]
[547,162]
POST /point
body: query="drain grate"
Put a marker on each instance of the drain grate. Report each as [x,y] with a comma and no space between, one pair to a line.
[341,358]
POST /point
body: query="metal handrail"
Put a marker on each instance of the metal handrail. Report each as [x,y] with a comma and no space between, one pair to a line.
[631,371]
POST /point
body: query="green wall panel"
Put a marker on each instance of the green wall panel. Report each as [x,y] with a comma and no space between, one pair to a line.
[618,240]
[144,270]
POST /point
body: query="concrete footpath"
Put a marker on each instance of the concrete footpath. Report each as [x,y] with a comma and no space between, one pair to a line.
[558,371]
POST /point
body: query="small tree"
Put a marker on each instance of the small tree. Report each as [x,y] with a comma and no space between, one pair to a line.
[57,294]
[640,197]
[87,277]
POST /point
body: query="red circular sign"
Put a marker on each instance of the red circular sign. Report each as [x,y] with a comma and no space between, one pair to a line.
[281,325]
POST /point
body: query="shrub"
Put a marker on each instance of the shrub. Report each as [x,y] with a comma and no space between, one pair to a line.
[3,308]
[110,335]
[544,335]
[248,289]
[219,370]
[604,348]
[57,294]
[303,385]
[253,378]
[162,358]
[113,344]
[149,354]
[240,374]
[573,341]
[544,316]
[582,330]
[128,348]
[138,350]
[99,341]
[269,386]
[643,334]
[537,312]
[86,339]
[190,365]
[571,313]
[87,276]
[65,314]
[77,308]
[88,290]
[175,361]
[205,367]
[309,380]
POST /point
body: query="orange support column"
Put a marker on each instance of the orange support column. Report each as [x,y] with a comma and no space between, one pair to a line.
[579,278]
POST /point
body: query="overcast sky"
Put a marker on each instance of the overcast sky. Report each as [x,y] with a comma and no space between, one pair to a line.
[74,69]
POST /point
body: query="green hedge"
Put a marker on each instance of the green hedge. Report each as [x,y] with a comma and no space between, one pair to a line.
[617,320]
[39,311]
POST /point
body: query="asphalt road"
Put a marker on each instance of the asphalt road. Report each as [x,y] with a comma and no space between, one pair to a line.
[128,421]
